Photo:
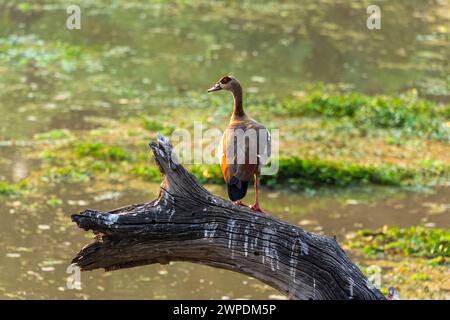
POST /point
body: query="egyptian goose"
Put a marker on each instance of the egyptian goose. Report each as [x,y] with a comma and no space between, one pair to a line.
[244,148]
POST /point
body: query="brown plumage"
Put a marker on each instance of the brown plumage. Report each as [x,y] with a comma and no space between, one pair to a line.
[245,146]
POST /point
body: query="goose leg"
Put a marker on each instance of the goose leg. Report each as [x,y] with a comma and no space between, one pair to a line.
[256,206]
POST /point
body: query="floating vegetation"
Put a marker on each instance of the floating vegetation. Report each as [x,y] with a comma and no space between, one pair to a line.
[416,241]
[148,173]
[54,201]
[28,50]
[117,154]
[157,126]
[414,260]
[414,116]
[101,151]
[54,134]
[301,173]
[79,108]
[66,174]
[9,189]
[306,172]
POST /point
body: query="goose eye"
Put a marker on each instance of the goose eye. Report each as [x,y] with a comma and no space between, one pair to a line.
[225,80]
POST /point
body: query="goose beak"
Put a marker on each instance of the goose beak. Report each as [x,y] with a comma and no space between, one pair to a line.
[216,87]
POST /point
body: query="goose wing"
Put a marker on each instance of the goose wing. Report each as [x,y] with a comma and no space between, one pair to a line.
[244,149]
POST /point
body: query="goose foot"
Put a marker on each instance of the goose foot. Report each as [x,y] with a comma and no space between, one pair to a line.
[239,203]
[256,207]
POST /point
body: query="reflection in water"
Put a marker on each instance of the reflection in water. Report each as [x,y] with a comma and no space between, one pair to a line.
[40,240]
[14,166]
[19,170]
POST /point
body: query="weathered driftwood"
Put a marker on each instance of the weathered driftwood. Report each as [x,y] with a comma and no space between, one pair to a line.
[188,223]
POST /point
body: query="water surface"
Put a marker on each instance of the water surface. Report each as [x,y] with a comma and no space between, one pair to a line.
[136,58]
[39,241]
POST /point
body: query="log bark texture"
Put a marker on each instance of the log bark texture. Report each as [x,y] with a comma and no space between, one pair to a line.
[188,223]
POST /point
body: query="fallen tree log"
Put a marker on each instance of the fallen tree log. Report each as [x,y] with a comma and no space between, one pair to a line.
[188,223]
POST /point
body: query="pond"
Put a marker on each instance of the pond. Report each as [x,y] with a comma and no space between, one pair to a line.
[132,58]
[38,244]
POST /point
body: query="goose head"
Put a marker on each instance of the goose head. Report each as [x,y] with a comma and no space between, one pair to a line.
[226,83]
[231,84]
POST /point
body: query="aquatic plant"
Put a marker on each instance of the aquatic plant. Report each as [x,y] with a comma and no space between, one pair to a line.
[417,241]
[101,151]
[9,189]
[53,134]
[416,117]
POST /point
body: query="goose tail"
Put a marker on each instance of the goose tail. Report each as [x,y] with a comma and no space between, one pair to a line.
[237,189]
